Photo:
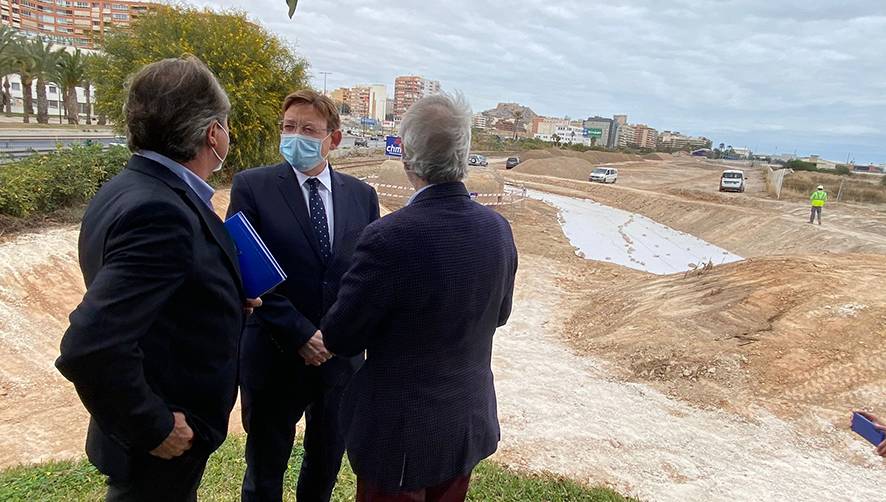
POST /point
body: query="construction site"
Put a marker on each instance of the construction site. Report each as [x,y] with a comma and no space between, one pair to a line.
[667,340]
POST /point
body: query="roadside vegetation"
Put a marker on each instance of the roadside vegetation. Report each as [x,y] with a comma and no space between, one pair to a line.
[42,184]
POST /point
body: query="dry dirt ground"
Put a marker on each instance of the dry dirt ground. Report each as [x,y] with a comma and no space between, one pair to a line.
[587,414]
[734,383]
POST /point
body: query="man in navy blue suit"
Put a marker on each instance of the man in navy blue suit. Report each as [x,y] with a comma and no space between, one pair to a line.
[429,285]
[310,217]
[152,348]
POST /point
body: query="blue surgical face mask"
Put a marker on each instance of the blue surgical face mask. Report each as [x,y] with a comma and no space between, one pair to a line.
[302,152]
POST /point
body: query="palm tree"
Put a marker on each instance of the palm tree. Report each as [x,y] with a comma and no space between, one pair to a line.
[90,61]
[69,73]
[44,59]
[518,116]
[25,67]
[8,44]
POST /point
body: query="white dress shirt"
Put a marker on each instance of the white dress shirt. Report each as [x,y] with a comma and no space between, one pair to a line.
[325,189]
[201,188]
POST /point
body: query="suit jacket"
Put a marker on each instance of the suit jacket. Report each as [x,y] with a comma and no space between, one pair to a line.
[272,200]
[159,326]
[429,285]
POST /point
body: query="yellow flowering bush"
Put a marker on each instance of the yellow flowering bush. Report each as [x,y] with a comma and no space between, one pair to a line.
[256,68]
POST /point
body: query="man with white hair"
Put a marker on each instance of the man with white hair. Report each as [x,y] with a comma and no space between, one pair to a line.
[429,285]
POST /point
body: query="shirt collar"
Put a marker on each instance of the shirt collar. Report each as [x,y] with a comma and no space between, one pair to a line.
[420,190]
[202,189]
[325,177]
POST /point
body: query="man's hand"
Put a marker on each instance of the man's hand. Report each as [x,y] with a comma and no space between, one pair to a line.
[314,351]
[881,448]
[178,441]
[251,304]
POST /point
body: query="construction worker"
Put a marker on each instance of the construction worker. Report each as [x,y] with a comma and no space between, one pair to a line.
[819,197]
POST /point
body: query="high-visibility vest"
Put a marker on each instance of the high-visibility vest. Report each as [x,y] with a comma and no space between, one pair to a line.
[819,197]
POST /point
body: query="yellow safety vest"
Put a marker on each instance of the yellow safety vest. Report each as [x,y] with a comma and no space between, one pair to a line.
[819,197]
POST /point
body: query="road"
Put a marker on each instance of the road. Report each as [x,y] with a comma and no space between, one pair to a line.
[44,142]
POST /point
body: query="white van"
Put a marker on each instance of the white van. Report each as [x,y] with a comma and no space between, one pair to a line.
[604,175]
[732,180]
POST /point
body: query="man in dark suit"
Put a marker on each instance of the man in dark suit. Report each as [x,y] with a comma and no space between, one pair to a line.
[152,348]
[429,285]
[310,217]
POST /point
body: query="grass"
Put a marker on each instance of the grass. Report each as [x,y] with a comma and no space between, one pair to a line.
[856,188]
[79,481]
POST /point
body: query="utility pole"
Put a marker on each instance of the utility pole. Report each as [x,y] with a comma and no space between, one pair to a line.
[325,73]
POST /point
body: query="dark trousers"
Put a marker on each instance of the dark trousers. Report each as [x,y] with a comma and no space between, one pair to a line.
[454,490]
[153,478]
[270,414]
[816,211]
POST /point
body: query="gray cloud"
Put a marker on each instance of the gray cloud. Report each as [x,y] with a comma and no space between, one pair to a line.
[792,74]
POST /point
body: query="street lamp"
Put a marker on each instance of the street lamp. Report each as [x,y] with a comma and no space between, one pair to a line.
[324,73]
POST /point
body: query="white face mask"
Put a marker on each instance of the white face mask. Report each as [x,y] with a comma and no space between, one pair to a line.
[221,161]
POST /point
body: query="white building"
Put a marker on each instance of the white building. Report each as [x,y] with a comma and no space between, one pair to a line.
[742,153]
[53,96]
[378,102]
[568,134]
[480,121]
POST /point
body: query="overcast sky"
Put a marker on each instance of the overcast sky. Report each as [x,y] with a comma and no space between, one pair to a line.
[793,75]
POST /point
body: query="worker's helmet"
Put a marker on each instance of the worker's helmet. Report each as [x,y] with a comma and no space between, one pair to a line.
[821,187]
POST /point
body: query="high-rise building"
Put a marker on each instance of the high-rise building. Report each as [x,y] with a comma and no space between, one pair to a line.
[368,101]
[645,136]
[599,130]
[379,102]
[480,121]
[617,121]
[668,140]
[637,136]
[340,95]
[358,100]
[410,88]
[625,135]
[70,23]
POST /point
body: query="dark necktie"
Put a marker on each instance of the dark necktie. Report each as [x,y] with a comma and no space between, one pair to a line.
[318,218]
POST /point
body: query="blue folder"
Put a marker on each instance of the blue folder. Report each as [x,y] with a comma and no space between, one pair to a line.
[260,271]
[864,428]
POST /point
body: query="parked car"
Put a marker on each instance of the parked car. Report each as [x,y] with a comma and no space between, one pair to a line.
[361,142]
[604,175]
[512,162]
[477,160]
[732,180]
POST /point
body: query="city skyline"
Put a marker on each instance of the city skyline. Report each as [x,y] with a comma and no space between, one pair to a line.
[779,77]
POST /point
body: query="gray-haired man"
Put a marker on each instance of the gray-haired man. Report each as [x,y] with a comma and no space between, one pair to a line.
[428,286]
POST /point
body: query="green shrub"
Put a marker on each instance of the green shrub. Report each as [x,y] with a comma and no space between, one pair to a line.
[43,183]
[800,165]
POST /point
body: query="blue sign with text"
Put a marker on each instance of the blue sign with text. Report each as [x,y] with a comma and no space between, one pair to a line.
[393,146]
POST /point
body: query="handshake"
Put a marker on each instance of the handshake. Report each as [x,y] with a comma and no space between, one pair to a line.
[314,351]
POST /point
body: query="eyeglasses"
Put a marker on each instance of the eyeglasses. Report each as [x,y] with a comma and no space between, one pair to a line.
[304,130]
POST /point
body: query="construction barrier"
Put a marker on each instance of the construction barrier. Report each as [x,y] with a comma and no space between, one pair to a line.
[775,179]
[486,199]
